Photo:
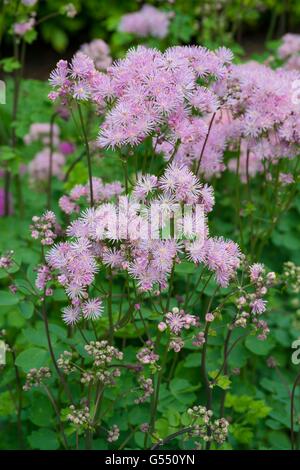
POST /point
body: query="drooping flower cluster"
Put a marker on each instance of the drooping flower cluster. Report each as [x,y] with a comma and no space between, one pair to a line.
[101,370]
[45,228]
[103,354]
[113,433]
[252,305]
[291,276]
[80,417]
[147,355]
[6,260]
[146,384]
[148,21]
[36,377]
[176,322]
[66,362]
[205,428]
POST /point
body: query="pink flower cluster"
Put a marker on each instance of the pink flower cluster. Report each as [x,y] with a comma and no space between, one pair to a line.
[40,131]
[147,355]
[148,21]
[177,321]
[99,52]
[264,119]
[289,51]
[155,94]
[221,256]
[38,168]
[43,277]
[20,29]
[45,228]
[252,305]
[76,277]
[148,260]
[101,192]
[247,108]
[150,93]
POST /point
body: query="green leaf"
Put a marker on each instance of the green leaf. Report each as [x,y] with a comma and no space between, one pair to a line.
[43,439]
[192,360]
[185,268]
[41,411]
[7,153]
[30,36]
[242,434]
[279,440]
[223,381]
[7,405]
[9,64]
[32,358]
[261,348]
[173,417]
[182,390]
[27,309]
[8,298]
[162,427]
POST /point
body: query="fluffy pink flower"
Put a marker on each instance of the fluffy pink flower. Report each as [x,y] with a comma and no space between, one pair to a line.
[99,52]
[20,29]
[71,315]
[146,355]
[144,186]
[43,276]
[67,205]
[40,131]
[38,168]
[290,45]
[258,306]
[286,178]
[149,21]
[256,270]
[92,309]
[178,320]
[223,257]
